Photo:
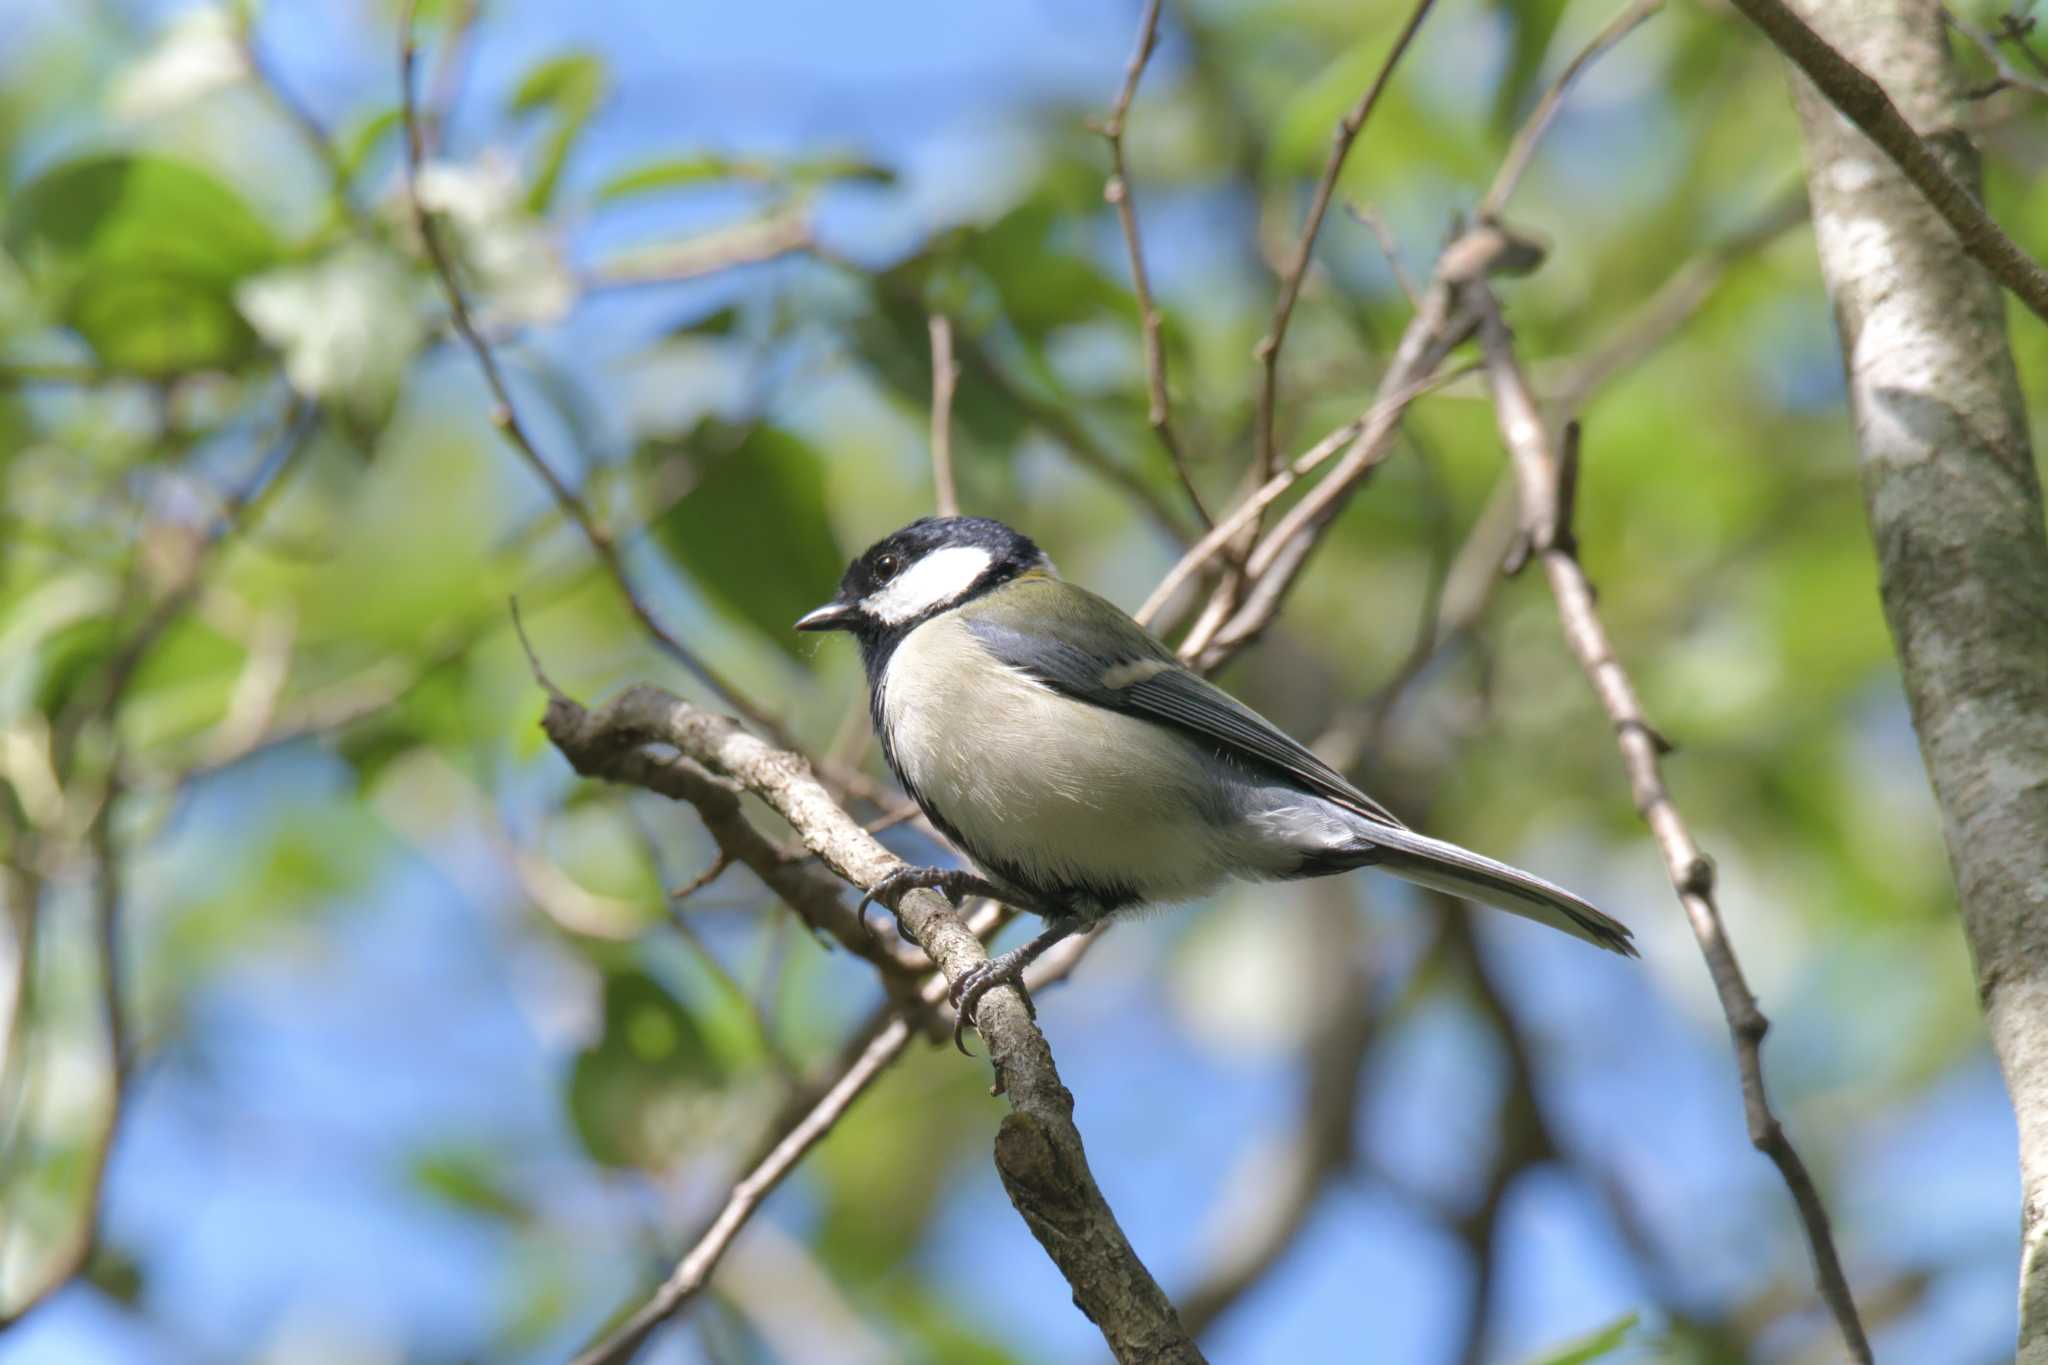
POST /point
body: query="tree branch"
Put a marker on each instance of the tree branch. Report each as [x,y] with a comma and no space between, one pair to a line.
[1866,105]
[505,416]
[1542,477]
[1267,352]
[1955,509]
[1159,411]
[945,377]
[1038,1151]
[1523,149]
[694,1270]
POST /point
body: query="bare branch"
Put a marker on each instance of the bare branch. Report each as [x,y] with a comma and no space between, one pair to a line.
[1038,1151]
[695,1268]
[945,377]
[1158,412]
[506,417]
[1267,352]
[752,242]
[1865,104]
[310,134]
[2009,77]
[1242,515]
[1523,149]
[1232,621]
[810,891]
[1546,522]
[1369,217]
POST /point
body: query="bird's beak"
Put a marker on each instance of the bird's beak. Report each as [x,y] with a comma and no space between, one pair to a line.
[831,616]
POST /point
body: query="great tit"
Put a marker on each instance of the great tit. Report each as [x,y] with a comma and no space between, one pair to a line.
[1085,771]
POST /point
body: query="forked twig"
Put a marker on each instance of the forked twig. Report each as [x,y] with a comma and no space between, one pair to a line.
[1541,476]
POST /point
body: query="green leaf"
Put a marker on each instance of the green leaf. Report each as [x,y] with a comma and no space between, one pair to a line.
[141,255]
[681,172]
[753,532]
[1045,273]
[636,1096]
[468,1177]
[571,86]
[355,148]
[1593,1345]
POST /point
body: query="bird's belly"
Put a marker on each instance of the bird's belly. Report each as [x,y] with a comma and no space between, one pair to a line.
[1067,797]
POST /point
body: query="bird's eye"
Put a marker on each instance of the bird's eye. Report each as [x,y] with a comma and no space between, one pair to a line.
[887,567]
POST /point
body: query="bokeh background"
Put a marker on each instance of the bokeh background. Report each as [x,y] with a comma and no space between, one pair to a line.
[428,1064]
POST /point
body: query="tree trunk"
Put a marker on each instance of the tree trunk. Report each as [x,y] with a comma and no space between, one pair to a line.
[1954,501]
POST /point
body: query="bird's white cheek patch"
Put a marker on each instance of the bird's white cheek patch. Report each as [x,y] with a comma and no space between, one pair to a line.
[933,581]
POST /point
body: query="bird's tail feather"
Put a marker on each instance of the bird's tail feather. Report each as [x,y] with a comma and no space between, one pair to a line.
[1472,876]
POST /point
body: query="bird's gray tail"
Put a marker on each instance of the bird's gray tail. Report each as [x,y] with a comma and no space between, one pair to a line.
[1472,876]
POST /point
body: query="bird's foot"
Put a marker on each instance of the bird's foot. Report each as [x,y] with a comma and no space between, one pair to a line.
[983,977]
[950,882]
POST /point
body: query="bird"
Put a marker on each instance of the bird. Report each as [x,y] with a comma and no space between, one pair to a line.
[1085,772]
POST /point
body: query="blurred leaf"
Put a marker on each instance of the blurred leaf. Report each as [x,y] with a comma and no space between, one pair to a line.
[571,86]
[348,325]
[635,1096]
[115,1271]
[1592,1346]
[469,1178]
[753,532]
[1533,26]
[1043,270]
[680,172]
[141,255]
[355,147]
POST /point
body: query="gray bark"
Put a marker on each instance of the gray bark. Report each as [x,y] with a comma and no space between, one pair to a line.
[1954,502]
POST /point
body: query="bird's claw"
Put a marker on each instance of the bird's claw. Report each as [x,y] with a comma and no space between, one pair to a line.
[953,883]
[977,981]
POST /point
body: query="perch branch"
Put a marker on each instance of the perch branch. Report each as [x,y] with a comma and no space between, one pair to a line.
[1039,1152]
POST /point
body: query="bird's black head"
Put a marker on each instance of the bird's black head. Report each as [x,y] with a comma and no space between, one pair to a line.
[929,566]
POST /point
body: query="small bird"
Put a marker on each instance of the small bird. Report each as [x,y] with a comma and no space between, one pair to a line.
[1086,772]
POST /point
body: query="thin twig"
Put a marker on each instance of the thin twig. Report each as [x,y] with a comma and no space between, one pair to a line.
[1523,149]
[2008,77]
[1865,103]
[1546,520]
[754,241]
[505,416]
[695,1267]
[308,129]
[1367,215]
[1117,190]
[1231,621]
[444,84]
[980,364]
[945,377]
[1209,546]
[1267,352]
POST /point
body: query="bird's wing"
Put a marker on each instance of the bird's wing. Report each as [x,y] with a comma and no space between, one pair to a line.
[1102,657]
